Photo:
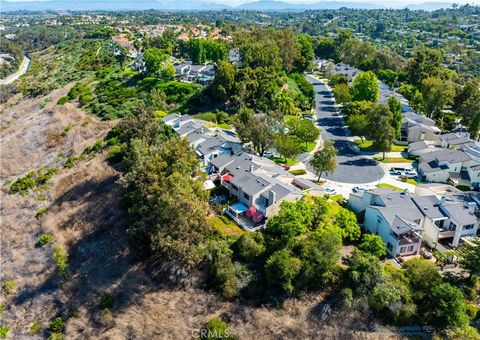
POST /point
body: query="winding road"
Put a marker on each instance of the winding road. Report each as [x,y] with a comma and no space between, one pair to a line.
[351,166]
[21,70]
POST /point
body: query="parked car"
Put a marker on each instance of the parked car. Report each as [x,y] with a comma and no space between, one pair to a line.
[358,189]
[330,191]
[397,171]
[411,174]
[268,154]
[286,167]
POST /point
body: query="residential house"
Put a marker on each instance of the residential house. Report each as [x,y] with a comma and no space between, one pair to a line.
[415,128]
[393,216]
[454,140]
[449,219]
[259,186]
[208,142]
[422,147]
[444,165]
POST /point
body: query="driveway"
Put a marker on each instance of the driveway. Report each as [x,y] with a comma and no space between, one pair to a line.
[351,167]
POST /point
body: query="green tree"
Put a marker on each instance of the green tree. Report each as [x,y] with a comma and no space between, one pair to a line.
[342,93]
[396,109]
[365,271]
[445,306]
[347,221]
[221,268]
[319,253]
[467,105]
[365,87]
[223,85]
[469,257]
[157,99]
[281,269]
[249,246]
[437,94]
[373,244]
[288,146]
[424,64]
[154,60]
[325,160]
[422,275]
[258,129]
[305,52]
[389,77]
[325,48]
[382,132]
[167,71]
[305,130]
[358,125]
[167,203]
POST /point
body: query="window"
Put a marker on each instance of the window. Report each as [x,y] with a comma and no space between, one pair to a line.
[439,223]
[410,248]
[246,196]
[452,226]
[403,249]
[389,246]
[234,187]
[468,226]
[417,222]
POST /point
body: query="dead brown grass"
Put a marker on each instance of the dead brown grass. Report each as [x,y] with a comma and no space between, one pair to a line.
[84,217]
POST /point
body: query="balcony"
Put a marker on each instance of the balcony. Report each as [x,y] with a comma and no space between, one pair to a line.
[444,233]
[409,240]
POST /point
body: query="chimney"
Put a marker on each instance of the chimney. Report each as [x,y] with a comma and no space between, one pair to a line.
[251,167]
[442,200]
[272,197]
[471,207]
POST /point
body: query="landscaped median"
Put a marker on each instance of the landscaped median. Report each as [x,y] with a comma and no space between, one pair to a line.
[393,160]
[367,145]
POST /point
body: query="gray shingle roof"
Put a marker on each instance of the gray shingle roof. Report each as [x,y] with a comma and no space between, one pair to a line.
[429,205]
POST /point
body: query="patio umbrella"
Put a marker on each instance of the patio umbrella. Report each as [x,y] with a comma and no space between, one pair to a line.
[227,178]
[252,210]
[257,217]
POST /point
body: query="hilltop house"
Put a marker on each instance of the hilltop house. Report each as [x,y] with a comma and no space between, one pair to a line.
[403,220]
[208,142]
[258,185]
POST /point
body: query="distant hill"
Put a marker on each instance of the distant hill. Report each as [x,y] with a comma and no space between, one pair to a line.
[193,5]
[270,5]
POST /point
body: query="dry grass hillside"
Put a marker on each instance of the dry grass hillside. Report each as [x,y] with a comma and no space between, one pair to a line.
[84,217]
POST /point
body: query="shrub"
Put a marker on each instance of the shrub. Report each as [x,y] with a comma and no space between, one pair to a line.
[250,246]
[56,325]
[61,258]
[106,300]
[298,172]
[23,184]
[44,239]
[70,161]
[63,100]
[98,146]
[41,197]
[2,308]
[9,286]
[115,153]
[44,177]
[42,211]
[67,130]
[373,244]
[3,332]
[216,328]
[35,328]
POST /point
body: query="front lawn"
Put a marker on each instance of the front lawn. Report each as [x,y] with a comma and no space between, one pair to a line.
[281,160]
[393,160]
[367,145]
[388,186]
[408,180]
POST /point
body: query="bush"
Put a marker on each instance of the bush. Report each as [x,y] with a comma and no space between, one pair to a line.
[2,308]
[9,286]
[70,161]
[298,172]
[56,325]
[42,211]
[44,177]
[63,100]
[98,146]
[250,246]
[23,184]
[106,300]
[115,153]
[61,258]
[44,239]
[216,328]
[35,328]
[373,244]
[3,332]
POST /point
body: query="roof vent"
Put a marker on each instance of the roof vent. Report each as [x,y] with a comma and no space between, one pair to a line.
[389,198]
[425,208]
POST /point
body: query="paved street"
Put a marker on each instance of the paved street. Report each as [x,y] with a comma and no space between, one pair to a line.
[351,167]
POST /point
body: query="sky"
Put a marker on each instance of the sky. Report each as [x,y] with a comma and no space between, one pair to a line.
[395,3]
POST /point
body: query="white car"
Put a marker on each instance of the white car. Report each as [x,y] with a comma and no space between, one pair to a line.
[330,191]
[411,174]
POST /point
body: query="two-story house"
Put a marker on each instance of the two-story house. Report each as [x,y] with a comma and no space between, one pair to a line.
[393,216]
[442,165]
[415,128]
